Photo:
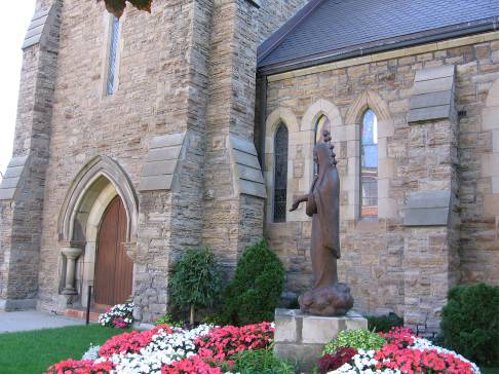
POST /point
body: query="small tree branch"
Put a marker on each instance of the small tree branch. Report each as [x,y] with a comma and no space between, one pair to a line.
[116,7]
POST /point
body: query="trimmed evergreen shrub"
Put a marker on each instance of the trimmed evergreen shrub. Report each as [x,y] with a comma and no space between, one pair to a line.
[196,281]
[470,322]
[384,323]
[255,290]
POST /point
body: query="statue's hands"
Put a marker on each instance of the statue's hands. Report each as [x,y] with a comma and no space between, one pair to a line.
[295,205]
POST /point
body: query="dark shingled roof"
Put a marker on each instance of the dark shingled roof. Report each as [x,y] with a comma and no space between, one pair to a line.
[330,30]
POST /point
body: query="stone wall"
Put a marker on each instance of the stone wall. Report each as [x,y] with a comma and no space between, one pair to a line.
[389,265]
[22,190]
[152,98]
[238,27]
[188,67]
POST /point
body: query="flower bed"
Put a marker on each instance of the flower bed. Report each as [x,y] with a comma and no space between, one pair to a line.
[212,350]
[163,349]
[405,353]
[119,316]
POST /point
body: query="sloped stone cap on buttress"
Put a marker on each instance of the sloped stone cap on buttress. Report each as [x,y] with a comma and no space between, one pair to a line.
[247,169]
[161,162]
[12,177]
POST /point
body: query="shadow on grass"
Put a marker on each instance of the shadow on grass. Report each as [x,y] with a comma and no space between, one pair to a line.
[32,352]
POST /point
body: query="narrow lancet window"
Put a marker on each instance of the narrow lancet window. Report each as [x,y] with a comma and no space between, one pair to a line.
[113,54]
[369,165]
[280,173]
[323,123]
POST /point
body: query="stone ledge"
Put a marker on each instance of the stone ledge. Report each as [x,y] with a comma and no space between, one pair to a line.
[17,304]
[300,338]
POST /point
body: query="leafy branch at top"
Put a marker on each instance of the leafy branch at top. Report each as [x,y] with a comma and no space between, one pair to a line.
[117,7]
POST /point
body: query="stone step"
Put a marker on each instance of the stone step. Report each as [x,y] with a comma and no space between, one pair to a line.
[81,313]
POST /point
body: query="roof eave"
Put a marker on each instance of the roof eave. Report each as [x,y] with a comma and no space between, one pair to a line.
[450,32]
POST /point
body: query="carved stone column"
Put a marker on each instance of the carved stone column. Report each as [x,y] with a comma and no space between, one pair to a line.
[71,254]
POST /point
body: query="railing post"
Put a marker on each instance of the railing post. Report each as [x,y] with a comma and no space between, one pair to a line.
[89,295]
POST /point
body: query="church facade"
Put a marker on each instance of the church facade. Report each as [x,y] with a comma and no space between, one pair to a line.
[139,138]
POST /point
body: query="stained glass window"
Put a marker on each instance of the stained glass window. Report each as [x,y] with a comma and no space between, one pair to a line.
[113,52]
[280,173]
[369,165]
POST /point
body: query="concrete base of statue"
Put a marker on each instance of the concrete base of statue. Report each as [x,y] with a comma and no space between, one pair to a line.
[300,338]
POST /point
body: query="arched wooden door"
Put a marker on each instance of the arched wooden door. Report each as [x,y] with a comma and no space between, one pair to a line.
[113,268]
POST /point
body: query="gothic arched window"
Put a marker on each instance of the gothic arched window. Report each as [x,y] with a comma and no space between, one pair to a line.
[280,173]
[369,165]
[323,123]
[113,56]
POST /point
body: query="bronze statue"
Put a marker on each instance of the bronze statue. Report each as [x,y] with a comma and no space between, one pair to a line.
[328,297]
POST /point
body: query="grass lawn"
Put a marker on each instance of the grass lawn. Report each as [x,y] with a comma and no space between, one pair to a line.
[32,352]
[489,370]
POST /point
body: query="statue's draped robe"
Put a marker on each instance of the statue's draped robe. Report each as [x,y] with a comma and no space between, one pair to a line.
[322,205]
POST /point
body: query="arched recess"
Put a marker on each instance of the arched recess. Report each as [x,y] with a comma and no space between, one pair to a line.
[88,197]
[368,99]
[353,120]
[88,184]
[315,111]
[286,117]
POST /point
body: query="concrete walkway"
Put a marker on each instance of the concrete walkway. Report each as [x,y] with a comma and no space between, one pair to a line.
[14,321]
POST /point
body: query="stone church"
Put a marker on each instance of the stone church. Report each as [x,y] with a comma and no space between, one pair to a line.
[140,137]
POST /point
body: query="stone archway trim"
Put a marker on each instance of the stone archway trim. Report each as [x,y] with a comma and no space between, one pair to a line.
[95,168]
[321,107]
[368,99]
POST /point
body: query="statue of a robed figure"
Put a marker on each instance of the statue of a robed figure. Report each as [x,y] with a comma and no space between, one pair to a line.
[327,297]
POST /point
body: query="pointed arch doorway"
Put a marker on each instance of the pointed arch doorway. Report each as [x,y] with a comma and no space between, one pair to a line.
[113,268]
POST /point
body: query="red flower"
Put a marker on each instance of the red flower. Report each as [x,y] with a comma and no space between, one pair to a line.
[130,342]
[330,362]
[222,342]
[191,365]
[84,366]
[396,355]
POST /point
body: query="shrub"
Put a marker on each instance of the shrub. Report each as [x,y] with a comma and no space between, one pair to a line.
[470,322]
[196,281]
[384,323]
[256,288]
[168,320]
[357,339]
[260,361]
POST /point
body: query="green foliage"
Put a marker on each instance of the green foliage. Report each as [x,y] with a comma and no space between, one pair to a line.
[356,338]
[215,319]
[260,362]
[384,323]
[116,7]
[168,319]
[470,322]
[255,290]
[196,281]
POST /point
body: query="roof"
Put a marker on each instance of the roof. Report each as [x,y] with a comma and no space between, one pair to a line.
[329,30]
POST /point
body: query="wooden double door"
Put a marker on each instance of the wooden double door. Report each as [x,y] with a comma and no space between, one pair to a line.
[113,268]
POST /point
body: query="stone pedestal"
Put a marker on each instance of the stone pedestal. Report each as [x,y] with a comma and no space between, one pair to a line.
[300,338]
[71,254]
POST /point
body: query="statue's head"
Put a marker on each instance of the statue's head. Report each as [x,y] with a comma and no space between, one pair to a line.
[323,151]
